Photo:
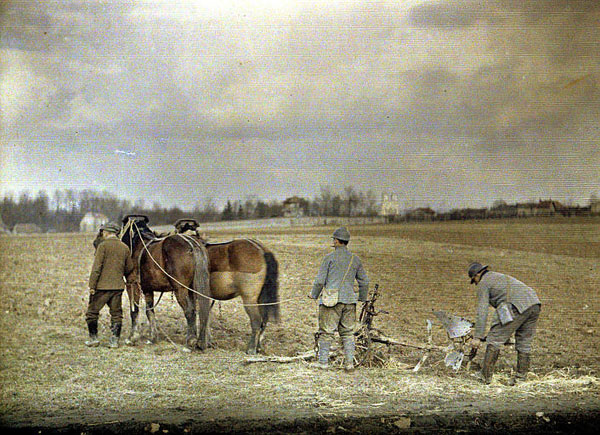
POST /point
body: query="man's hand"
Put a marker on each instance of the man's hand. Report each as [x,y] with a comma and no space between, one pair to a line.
[92,291]
[310,296]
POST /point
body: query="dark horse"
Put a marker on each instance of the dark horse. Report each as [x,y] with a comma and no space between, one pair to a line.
[174,263]
[241,267]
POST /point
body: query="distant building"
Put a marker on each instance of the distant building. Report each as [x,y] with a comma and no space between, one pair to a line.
[595,208]
[293,207]
[91,222]
[26,229]
[390,206]
[542,208]
[420,214]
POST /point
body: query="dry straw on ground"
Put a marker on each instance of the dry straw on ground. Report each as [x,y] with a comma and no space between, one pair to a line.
[48,377]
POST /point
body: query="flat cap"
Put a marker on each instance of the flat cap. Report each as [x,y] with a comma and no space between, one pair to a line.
[341,234]
[474,269]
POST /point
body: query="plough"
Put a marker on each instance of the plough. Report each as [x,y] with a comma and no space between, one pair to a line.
[368,338]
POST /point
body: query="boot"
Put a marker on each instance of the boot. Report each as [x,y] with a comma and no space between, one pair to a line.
[489,361]
[93,334]
[523,361]
[349,346]
[323,356]
[116,333]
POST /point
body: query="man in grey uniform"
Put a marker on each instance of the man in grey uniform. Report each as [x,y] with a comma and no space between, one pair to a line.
[336,277]
[517,311]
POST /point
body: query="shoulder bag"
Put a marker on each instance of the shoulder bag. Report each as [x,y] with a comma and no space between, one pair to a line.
[329,298]
[504,310]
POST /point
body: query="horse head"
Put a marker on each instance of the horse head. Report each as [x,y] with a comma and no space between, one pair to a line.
[134,227]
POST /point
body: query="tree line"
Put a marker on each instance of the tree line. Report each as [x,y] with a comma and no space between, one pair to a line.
[62,210]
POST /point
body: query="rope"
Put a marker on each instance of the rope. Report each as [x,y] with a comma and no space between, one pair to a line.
[192,290]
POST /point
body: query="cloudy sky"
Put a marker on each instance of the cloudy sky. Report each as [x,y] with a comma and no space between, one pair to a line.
[446,103]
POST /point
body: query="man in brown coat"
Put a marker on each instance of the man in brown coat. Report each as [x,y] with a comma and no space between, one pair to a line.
[111,263]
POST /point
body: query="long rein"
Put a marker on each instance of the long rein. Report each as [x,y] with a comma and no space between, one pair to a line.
[183,285]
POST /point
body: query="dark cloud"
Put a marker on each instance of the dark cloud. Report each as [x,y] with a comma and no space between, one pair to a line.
[369,93]
[447,15]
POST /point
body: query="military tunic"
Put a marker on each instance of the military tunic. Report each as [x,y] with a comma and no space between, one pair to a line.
[338,271]
[111,263]
[495,289]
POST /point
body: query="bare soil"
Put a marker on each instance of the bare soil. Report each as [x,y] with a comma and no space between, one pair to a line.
[51,382]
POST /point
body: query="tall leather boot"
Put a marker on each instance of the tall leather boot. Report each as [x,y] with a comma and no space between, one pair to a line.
[349,347]
[489,361]
[116,333]
[523,362]
[93,334]
[323,355]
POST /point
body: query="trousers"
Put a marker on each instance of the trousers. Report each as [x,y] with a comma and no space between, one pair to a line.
[523,326]
[341,317]
[112,298]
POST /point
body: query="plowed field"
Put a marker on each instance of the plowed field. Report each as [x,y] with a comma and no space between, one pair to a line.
[51,382]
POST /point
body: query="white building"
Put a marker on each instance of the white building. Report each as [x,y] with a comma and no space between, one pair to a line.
[390,206]
[91,222]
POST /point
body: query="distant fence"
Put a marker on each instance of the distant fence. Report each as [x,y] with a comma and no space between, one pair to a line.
[281,222]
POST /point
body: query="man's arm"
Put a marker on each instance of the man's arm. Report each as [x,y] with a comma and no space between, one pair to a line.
[97,266]
[363,282]
[320,280]
[483,303]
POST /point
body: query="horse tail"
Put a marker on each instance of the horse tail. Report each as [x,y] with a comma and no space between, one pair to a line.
[269,292]
[201,283]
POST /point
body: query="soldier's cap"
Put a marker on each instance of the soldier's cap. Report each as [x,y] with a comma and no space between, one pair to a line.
[474,269]
[111,227]
[341,234]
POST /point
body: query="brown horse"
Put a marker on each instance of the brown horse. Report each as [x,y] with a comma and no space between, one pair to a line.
[242,267]
[245,268]
[174,263]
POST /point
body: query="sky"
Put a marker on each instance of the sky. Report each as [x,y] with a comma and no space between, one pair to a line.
[447,104]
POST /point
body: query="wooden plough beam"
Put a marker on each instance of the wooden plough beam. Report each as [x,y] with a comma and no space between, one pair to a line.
[366,335]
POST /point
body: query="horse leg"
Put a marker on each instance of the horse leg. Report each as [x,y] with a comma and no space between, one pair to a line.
[133,291]
[204,307]
[256,323]
[186,301]
[151,317]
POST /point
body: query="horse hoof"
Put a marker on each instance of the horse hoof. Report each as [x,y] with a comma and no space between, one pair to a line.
[149,342]
[186,349]
[251,352]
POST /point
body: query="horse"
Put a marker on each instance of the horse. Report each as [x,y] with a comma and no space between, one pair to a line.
[244,267]
[240,267]
[175,263]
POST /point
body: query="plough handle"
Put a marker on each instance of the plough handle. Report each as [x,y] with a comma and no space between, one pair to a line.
[368,306]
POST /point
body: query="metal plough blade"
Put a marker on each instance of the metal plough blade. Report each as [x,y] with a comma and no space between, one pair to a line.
[454,359]
[455,326]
